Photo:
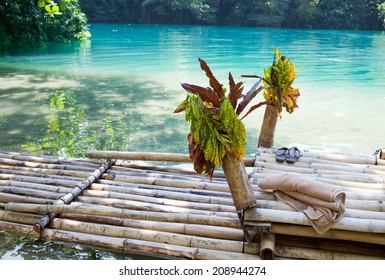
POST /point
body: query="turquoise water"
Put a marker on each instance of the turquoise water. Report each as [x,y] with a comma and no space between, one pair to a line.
[126,80]
[118,90]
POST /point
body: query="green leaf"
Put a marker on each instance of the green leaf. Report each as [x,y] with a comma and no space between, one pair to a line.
[41,3]
[48,8]
[55,9]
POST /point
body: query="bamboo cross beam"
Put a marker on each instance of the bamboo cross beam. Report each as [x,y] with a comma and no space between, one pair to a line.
[148,156]
[40,225]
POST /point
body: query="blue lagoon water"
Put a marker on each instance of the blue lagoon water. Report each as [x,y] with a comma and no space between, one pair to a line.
[125,82]
[118,90]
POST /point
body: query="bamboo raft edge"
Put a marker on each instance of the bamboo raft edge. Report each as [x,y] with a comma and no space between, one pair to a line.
[153,192]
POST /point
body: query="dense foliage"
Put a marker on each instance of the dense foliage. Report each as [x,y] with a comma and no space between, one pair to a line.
[215,126]
[25,23]
[332,14]
[278,82]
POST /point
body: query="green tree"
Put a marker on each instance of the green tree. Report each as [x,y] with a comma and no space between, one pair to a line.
[257,13]
[344,14]
[300,13]
[23,22]
[177,11]
[117,11]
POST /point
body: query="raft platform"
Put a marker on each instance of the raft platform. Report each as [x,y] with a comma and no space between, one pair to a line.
[155,204]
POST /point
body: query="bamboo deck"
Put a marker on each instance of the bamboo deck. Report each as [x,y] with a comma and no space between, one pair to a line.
[134,203]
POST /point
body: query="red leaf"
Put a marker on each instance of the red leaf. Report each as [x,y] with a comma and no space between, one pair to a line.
[248,97]
[204,93]
[213,81]
[255,107]
[235,91]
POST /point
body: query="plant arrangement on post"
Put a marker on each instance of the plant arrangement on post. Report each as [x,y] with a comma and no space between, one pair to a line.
[217,135]
[279,92]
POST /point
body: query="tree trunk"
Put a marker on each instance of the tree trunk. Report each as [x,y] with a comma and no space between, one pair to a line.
[266,136]
[239,183]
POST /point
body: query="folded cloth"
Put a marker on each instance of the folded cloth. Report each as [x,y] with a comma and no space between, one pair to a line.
[323,204]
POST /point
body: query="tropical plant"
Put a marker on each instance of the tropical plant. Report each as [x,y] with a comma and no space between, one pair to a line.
[25,23]
[52,7]
[215,126]
[278,81]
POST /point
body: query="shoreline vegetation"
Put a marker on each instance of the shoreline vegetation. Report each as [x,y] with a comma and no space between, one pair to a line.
[31,22]
[302,14]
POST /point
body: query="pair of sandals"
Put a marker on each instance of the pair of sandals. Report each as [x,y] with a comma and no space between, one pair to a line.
[290,155]
[379,154]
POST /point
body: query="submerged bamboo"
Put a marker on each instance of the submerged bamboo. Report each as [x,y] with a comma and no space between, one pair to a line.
[127,244]
[153,235]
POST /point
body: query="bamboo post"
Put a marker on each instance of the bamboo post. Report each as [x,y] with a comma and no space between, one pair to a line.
[266,136]
[267,246]
[238,181]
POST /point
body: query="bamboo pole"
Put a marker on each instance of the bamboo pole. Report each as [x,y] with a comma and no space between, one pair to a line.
[215,207]
[196,191]
[214,237]
[332,234]
[44,165]
[49,159]
[319,163]
[267,246]
[254,215]
[266,136]
[18,217]
[364,173]
[39,172]
[340,246]
[238,181]
[159,193]
[203,230]
[152,235]
[339,157]
[137,205]
[127,244]
[354,177]
[6,198]
[369,191]
[42,187]
[112,173]
[170,183]
[146,156]
[73,194]
[30,192]
[80,208]
[39,180]
[313,254]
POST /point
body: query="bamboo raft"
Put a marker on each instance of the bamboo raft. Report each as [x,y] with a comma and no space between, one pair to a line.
[119,201]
